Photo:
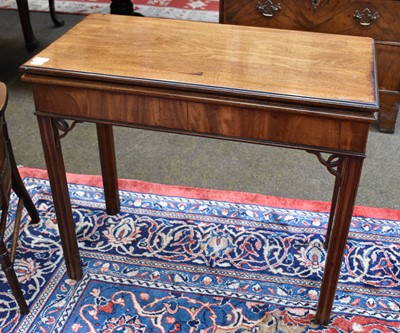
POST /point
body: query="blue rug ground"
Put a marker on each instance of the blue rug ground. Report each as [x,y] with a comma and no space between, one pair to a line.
[173,264]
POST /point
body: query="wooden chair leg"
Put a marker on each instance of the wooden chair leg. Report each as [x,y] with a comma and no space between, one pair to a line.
[17,184]
[31,42]
[3,222]
[57,22]
[12,279]
[17,224]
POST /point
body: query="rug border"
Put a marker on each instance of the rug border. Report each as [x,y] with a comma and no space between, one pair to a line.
[216,195]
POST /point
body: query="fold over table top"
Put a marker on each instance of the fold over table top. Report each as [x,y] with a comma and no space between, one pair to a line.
[260,63]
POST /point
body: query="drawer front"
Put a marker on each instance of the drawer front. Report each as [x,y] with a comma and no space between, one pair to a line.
[376,19]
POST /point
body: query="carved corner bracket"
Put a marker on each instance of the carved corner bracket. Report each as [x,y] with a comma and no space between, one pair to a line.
[64,127]
[333,163]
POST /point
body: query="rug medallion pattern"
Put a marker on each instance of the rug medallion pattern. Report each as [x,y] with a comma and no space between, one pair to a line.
[171,264]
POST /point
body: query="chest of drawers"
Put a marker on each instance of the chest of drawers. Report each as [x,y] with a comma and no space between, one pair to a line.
[377,19]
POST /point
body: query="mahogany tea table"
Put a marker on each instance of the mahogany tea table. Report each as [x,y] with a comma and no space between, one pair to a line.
[311,91]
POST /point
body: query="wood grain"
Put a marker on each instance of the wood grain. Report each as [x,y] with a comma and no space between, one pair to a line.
[300,127]
[387,58]
[222,59]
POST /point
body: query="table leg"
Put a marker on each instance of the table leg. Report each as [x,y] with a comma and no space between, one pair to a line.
[344,210]
[332,213]
[59,188]
[108,163]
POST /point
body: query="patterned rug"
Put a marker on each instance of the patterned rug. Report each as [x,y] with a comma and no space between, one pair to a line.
[194,10]
[191,260]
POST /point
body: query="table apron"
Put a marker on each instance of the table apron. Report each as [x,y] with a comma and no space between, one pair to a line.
[302,130]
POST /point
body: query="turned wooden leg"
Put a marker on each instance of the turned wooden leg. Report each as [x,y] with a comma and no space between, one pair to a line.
[352,166]
[59,188]
[108,163]
[12,279]
[31,42]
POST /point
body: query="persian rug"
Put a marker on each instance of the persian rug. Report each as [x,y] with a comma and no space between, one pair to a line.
[178,259]
[194,10]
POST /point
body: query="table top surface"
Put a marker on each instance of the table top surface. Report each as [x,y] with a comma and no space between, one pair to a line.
[215,58]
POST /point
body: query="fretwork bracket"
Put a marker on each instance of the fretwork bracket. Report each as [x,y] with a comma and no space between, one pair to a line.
[64,127]
[333,163]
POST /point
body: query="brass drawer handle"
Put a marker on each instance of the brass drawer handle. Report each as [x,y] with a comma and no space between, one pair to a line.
[316,3]
[268,8]
[366,17]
